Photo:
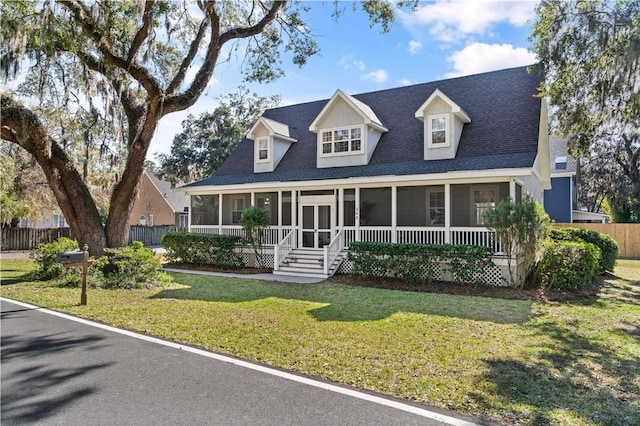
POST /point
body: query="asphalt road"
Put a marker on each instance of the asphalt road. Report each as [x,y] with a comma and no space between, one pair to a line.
[59,371]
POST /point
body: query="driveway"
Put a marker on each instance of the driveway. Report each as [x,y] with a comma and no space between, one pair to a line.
[57,370]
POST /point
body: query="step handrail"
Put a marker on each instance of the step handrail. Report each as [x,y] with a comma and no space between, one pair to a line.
[332,250]
[283,248]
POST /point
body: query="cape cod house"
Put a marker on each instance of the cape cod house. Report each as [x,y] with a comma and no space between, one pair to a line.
[415,164]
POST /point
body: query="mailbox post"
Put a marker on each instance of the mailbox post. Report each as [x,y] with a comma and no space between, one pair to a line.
[71,259]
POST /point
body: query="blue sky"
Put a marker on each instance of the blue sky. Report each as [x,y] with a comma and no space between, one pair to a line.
[442,39]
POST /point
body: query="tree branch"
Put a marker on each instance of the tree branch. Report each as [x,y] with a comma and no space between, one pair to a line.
[143,32]
[244,32]
[140,74]
[190,96]
[186,62]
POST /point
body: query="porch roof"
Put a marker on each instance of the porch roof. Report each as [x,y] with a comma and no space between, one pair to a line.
[503,133]
[486,162]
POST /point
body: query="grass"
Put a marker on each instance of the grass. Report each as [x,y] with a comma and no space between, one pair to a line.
[508,361]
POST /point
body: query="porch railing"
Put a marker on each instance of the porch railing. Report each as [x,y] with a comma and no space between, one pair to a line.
[283,248]
[273,235]
[407,235]
[332,250]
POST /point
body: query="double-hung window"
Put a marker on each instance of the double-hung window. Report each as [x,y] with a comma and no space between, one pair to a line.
[342,141]
[438,134]
[482,198]
[263,149]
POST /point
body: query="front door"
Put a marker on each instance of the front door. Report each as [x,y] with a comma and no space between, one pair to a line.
[316,225]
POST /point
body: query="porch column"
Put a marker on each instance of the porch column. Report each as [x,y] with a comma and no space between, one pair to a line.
[394,213]
[253,198]
[219,213]
[512,189]
[279,233]
[340,208]
[357,236]
[447,213]
[294,207]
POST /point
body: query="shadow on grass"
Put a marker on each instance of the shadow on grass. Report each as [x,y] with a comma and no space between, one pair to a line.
[596,380]
[32,388]
[348,303]
[26,277]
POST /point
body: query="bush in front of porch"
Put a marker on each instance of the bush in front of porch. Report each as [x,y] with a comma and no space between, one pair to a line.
[202,249]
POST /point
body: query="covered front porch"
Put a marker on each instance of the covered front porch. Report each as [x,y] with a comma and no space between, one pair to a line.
[324,221]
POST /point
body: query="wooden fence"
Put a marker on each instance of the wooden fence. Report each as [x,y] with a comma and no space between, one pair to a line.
[627,235]
[150,235]
[29,238]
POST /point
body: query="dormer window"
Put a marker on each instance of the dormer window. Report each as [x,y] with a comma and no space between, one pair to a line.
[342,141]
[438,132]
[263,150]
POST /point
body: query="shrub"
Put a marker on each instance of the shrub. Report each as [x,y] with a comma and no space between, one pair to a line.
[521,229]
[127,267]
[568,265]
[255,222]
[47,268]
[202,249]
[607,245]
[416,263]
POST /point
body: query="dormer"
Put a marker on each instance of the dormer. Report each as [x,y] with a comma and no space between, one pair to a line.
[443,122]
[271,140]
[347,132]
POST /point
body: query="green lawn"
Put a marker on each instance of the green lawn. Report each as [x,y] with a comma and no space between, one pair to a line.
[510,361]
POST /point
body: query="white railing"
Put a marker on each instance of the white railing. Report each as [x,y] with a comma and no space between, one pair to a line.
[332,250]
[416,235]
[408,235]
[482,237]
[376,234]
[205,229]
[283,248]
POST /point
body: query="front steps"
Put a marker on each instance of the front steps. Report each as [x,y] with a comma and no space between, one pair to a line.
[308,262]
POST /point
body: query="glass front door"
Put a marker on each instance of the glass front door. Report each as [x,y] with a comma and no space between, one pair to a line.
[316,225]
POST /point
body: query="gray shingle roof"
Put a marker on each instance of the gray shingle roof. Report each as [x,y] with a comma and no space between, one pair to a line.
[558,148]
[503,132]
[178,200]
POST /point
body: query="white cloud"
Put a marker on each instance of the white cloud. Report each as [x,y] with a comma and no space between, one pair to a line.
[378,76]
[414,46]
[349,62]
[480,57]
[404,81]
[450,20]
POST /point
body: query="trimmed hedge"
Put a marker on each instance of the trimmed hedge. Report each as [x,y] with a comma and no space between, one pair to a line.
[416,263]
[202,249]
[568,265]
[607,245]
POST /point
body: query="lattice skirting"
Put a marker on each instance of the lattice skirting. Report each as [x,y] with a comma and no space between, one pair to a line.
[495,276]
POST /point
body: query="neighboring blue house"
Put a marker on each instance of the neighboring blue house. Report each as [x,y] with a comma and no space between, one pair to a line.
[561,201]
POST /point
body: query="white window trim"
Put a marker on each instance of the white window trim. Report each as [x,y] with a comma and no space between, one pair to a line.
[474,219]
[268,141]
[435,191]
[339,154]
[447,133]
[233,208]
[150,220]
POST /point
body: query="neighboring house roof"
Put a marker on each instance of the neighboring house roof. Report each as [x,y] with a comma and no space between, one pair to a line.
[560,160]
[178,200]
[503,133]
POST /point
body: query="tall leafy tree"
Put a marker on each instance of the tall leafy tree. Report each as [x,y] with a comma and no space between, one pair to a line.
[206,141]
[142,60]
[590,53]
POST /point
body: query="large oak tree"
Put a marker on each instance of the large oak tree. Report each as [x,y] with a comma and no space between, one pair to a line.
[144,60]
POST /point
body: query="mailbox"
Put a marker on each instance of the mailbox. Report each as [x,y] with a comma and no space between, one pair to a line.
[70,257]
